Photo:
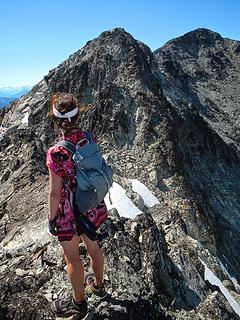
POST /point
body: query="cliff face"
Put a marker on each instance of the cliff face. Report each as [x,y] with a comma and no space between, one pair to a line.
[150,115]
[200,74]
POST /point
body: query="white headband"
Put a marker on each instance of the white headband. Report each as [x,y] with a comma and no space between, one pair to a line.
[67,115]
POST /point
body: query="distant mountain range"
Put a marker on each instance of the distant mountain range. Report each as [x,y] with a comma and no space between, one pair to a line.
[9,94]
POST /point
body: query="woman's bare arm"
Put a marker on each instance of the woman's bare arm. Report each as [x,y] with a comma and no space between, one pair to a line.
[55,193]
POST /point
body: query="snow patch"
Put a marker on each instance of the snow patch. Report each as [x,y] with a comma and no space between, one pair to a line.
[210,276]
[25,118]
[149,199]
[121,202]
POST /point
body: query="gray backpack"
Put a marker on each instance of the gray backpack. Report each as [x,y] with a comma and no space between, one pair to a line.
[94,176]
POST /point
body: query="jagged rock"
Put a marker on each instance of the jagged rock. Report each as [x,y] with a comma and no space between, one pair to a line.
[215,307]
[164,119]
[204,100]
[228,284]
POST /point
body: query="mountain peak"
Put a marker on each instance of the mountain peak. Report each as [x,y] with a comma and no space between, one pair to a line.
[168,124]
[203,34]
[117,34]
[195,39]
[115,31]
[112,50]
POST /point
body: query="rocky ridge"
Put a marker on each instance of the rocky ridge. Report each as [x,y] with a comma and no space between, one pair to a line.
[151,116]
[206,114]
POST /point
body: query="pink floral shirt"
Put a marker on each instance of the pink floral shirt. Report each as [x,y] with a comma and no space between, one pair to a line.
[59,160]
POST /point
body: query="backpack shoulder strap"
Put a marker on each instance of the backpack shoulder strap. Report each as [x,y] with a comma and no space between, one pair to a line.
[89,136]
[67,145]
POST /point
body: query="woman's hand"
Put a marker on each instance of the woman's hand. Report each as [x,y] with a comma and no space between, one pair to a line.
[54,198]
[52,226]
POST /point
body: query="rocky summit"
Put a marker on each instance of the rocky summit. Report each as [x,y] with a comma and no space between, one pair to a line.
[168,119]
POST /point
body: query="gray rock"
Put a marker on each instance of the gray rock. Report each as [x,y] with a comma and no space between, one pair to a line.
[164,119]
[200,76]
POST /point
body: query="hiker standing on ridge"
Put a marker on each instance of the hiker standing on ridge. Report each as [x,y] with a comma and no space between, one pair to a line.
[64,112]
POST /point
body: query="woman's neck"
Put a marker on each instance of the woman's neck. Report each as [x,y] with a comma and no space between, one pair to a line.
[66,133]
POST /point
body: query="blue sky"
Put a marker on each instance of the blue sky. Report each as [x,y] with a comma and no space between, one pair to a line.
[38,35]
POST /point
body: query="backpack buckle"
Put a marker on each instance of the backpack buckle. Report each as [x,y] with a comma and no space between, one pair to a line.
[81,143]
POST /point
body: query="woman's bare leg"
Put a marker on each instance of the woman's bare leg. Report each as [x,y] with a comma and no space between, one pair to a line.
[96,259]
[75,269]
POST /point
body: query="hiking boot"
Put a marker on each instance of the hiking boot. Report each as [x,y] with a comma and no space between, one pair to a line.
[98,291]
[68,307]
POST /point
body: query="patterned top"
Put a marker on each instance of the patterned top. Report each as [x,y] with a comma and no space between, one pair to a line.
[59,160]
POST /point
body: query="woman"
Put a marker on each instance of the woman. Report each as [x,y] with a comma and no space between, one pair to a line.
[64,111]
